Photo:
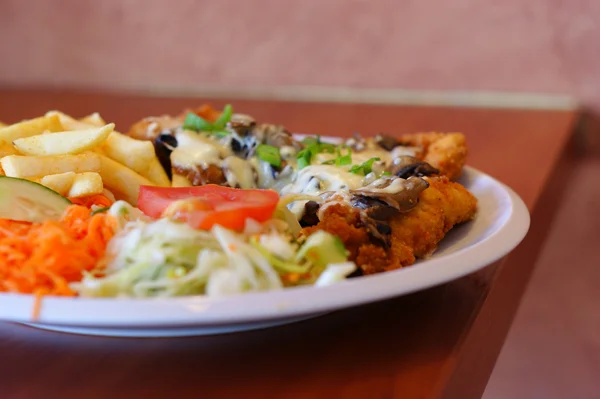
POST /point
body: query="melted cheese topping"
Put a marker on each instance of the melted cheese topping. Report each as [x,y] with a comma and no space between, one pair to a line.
[385,185]
[399,151]
[238,172]
[316,179]
[194,149]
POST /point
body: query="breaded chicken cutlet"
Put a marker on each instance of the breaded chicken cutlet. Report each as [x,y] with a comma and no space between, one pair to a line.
[407,236]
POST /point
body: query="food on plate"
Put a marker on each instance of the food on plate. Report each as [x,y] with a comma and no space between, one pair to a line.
[137,155]
[75,185]
[44,258]
[364,189]
[23,200]
[28,128]
[205,206]
[71,142]
[212,202]
[166,258]
[382,236]
[122,181]
[445,152]
[34,166]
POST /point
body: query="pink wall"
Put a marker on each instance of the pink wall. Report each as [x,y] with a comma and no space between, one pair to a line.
[548,46]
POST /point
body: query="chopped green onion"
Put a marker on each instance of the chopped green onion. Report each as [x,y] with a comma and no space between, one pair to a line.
[304,158]
[311,140]
[325,147]
[221,133]
[269,154]
[199,124]
[224,117]
[196,123]
[344,160]
[313,147]
[387,173]
[100,210]
[340,160]
[365,168]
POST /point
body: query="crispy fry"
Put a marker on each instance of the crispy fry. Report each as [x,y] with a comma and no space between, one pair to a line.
[135,154]
[60,182]
[28,128]
[68,122]
[93,119]
[86,184]
[7,149]
[63,143]
[35,166]
[123,182]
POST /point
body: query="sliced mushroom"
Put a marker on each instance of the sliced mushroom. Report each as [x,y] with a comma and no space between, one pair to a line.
[386,142]
[310,217]
[356,142]
[274,135]
[383,199]
[241,124]
[380,201]
[402,194]
[407,166]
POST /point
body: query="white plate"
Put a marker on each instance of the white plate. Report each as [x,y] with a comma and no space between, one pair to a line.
[500,225]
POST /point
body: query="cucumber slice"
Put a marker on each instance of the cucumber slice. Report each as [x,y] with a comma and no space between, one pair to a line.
[27,201]
[322,249]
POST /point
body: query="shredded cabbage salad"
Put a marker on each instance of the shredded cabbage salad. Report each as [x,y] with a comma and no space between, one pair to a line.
[164,258]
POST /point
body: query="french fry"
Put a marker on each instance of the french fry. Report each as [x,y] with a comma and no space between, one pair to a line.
[31,166]
[138,155]
[156,174]
[63,143]
[74,185]
[2,124]
[180,181]
[68,122]
[121,180]
[93,119]
[7,149]
[61,183]
[135,154]
[28,128]
[86,184]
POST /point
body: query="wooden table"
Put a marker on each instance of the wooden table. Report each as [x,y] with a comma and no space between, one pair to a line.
[442,342]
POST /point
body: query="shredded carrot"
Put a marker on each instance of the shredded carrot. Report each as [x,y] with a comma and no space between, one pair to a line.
[43,258]
[98,200]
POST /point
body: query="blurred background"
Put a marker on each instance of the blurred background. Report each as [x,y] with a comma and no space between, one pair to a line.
[536,46]
[534,52]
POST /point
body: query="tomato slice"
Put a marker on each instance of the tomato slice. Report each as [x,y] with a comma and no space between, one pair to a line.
[209,205]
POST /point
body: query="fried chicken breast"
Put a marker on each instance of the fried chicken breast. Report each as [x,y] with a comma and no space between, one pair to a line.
[412,235]
[446,152]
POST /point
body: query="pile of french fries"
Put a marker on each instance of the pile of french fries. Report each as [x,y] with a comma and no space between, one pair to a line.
[79,158]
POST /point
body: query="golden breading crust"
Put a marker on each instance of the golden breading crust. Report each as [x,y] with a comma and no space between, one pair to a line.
[446,152]
[414,234]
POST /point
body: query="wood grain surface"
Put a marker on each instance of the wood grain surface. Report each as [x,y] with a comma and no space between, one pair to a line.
[441,342]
